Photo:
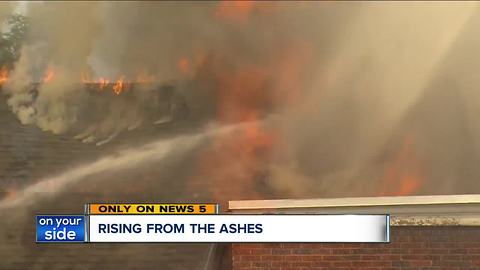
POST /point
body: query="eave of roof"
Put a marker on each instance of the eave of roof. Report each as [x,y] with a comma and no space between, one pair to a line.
[438,210]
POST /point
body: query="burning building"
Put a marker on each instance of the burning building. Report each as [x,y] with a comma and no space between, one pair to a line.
[230,100]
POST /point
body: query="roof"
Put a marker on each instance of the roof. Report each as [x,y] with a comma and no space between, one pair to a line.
[29,156]
[404,210]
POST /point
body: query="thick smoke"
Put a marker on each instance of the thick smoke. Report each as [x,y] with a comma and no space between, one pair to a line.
[349,90]
[5,10]
[72,43]
[61,39]
[159,43]
[149,38]
[359,129]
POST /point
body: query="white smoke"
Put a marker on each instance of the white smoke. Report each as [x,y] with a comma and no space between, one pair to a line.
[60,40]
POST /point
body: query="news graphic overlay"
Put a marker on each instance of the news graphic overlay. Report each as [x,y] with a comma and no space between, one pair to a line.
[52,228]
[238,228]
[202,223]
[152,208]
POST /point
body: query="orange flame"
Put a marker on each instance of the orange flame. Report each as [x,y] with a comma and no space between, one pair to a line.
[48,76]
[3,75]
[10,194]
[189,65]
[403,175]
[235,11]
[103,83]
[184,65]
[118,87]
[237,162]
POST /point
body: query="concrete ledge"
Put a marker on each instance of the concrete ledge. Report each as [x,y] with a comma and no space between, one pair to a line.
[443,210]
[449,220]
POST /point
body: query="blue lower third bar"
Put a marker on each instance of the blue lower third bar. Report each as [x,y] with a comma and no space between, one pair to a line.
[53,228]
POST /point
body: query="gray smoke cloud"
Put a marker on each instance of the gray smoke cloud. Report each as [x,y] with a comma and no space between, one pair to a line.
[5,10]
[347,136]
[71,42]
[163,42]
[61,39]
[150,38]
[352,85]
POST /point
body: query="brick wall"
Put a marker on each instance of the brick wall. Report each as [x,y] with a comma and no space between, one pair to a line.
[413,247]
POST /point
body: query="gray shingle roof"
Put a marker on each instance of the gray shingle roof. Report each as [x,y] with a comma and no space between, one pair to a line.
[29,155]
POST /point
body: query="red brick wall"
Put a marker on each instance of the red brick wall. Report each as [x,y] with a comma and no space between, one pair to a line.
[426,248]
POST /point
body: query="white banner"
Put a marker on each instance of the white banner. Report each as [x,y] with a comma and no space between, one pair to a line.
[238,228]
